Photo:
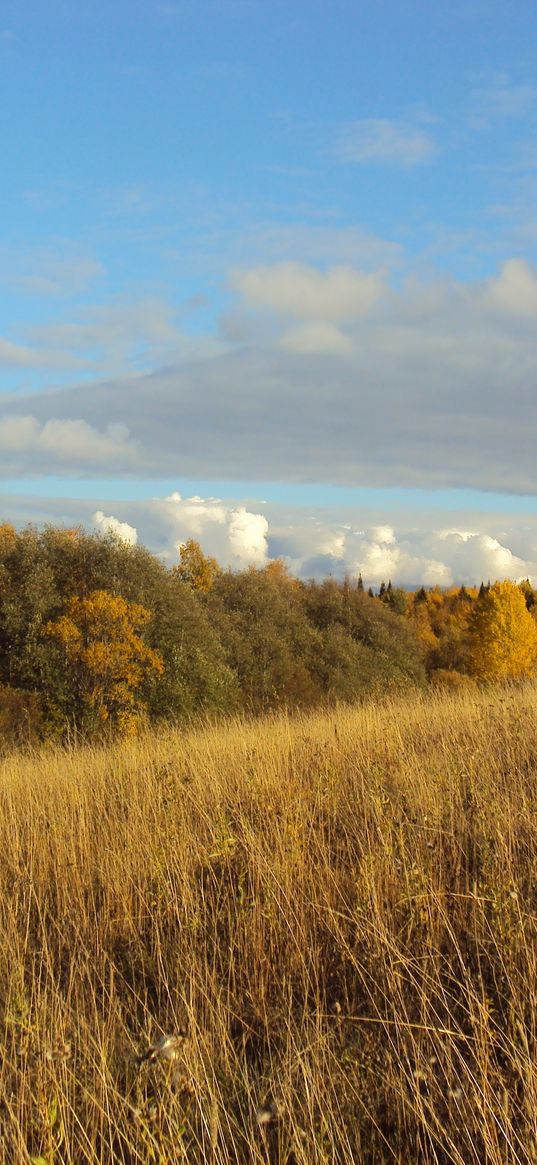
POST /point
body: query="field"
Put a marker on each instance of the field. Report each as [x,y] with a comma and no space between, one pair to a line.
[336,916]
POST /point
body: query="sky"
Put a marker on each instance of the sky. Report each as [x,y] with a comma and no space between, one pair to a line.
[268,279]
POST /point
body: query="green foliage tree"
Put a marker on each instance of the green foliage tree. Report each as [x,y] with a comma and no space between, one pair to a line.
[390,655]
[268,640]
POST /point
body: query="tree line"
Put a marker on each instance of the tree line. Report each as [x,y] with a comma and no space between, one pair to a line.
[96,634]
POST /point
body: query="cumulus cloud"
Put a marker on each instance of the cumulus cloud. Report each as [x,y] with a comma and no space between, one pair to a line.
[514,290]
[235,535]
[378,554]
[477,554]
[317,544]
[411,551]
[302,291]
[380,141]
[28,445]
[408,556]
[107,524]
[248,536]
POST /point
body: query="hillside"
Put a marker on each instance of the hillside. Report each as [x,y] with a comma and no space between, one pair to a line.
[338,911]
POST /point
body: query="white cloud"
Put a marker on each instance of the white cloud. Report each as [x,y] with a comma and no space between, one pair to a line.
[385,535]
[316,338]
[235,535]
[436,389]
[316,544]
[380,141]
[248,536]
[408,556]
[109,525]
[514,290]
[28,445]
[471,547]
[302,291]
[483,557]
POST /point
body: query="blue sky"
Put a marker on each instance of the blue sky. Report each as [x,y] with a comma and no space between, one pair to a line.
[279,254]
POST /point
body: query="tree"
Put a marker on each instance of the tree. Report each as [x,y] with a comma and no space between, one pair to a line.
[269,642]
[196,568]
[528,592]
[105,656]
[503,635]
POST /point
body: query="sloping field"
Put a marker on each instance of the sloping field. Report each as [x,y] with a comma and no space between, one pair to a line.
[339,911]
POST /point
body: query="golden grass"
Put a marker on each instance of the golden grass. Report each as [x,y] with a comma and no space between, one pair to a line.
[338,910]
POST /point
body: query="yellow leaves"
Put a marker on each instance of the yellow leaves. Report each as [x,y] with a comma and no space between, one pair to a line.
[196,568]
[503,635]
[8,538]
[68,634]
[109,661]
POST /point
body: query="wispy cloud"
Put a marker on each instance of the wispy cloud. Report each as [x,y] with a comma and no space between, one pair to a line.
[380,141]
[502,99]
[115,334]
[51,273]
[26,356]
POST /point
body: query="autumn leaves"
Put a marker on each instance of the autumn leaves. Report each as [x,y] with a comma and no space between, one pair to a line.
[503,635]
[105,656]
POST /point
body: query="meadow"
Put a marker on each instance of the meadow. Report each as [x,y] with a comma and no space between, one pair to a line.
[334,914]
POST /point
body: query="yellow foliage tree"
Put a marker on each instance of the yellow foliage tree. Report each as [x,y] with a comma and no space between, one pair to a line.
[106,658]
[503,635]
[196,568]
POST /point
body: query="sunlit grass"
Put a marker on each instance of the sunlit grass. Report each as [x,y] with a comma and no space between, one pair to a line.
[335,916]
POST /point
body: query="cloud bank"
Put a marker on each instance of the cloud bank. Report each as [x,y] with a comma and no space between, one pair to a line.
[355,383]
[412,549]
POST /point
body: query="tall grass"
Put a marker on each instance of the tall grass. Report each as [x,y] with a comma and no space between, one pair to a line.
[339,911]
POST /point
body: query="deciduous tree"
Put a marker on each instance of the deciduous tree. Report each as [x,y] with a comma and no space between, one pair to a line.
[503,635]
[107,659]
[197,569]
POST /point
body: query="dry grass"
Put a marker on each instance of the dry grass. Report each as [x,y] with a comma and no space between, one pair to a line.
[339,911]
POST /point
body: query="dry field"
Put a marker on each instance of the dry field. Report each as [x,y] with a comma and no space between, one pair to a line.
[338,911]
